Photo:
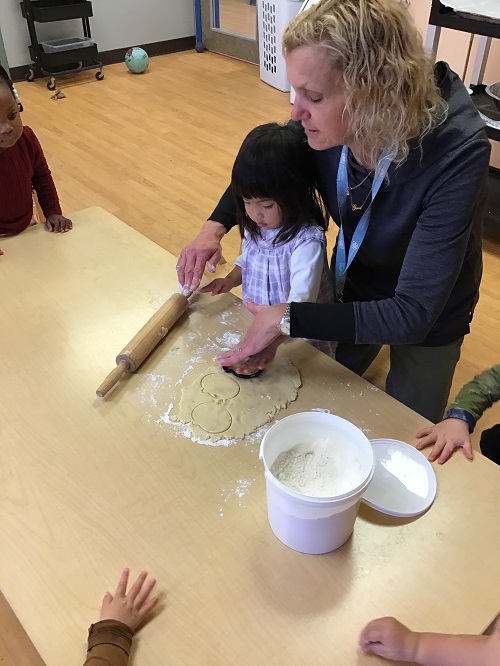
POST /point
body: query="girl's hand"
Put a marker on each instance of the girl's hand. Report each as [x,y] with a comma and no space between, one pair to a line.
[262,332]
[388,638]
[217,286]
[58,223]
[445,437]
[132,608]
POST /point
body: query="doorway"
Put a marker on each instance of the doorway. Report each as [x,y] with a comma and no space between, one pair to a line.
[230,27]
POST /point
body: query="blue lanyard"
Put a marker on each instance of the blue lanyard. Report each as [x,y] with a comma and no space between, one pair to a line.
[341,264]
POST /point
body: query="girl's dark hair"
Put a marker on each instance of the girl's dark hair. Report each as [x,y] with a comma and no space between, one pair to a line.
[5,78]
[275,162]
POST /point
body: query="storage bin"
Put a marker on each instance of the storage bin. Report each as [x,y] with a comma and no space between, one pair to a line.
[66,59]
[67,44]
[45,11]
[273,17]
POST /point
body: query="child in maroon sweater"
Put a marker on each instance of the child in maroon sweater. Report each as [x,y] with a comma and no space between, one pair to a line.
[22,169]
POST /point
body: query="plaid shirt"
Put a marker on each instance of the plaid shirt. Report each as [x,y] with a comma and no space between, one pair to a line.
[265,267]
[266,276]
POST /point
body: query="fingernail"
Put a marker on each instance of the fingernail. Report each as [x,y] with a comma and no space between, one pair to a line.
[211,268]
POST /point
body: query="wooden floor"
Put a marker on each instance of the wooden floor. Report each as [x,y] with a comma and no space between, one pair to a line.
[156,150]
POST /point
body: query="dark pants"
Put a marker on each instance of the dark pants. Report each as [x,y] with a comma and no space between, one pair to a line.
[490,443]
[419,377]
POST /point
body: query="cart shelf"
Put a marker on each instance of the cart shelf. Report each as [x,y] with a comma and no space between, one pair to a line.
[48,11]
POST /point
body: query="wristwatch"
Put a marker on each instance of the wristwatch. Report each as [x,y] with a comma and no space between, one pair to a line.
[284,325]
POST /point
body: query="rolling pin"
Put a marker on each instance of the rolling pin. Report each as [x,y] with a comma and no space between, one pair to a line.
[143,343]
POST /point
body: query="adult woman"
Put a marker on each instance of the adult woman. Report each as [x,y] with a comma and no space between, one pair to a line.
[401,158]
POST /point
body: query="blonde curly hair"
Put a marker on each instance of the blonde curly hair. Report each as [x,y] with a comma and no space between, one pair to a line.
[391,94]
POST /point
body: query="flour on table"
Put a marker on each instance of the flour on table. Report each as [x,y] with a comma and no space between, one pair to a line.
[216,405]
[320,468]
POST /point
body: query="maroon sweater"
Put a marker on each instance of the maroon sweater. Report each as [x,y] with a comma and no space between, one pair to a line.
[22,169]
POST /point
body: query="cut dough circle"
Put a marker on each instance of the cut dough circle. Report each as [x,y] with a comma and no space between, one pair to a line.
[212,418]
[255,403]
[219,386]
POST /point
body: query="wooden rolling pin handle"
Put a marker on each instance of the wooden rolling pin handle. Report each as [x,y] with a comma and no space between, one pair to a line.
[112,379]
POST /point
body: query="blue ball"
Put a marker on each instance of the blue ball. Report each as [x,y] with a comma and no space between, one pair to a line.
[137,60]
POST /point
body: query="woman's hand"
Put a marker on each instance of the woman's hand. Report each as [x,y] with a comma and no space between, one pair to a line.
[445,437]
[261,334]
[204,250]
[130,608]
[58,223]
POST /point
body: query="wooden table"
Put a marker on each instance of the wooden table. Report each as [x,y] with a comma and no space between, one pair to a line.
[90,486]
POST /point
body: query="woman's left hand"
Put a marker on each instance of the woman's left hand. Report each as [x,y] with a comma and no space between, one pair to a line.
[263,331]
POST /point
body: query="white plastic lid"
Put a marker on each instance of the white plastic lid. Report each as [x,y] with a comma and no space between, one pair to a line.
[404,483]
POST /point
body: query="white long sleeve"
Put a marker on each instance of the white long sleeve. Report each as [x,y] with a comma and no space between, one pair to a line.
[306,269]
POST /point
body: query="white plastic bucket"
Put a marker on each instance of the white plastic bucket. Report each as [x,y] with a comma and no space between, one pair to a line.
[307,524]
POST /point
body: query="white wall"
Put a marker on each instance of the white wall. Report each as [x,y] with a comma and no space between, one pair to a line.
[115,24]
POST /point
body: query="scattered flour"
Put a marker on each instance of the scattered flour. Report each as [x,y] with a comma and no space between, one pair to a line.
[229,339]
[322,468]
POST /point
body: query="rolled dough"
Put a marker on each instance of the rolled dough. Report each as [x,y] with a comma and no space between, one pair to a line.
[218,406]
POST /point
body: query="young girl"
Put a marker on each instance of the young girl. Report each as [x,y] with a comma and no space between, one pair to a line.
[22,169]
[282,224]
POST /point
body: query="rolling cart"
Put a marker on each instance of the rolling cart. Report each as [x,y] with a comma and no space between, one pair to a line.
[61,56]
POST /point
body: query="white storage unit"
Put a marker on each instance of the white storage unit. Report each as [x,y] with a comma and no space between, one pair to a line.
[273,17]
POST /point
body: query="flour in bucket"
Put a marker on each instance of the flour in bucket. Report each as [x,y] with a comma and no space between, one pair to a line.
[320,468]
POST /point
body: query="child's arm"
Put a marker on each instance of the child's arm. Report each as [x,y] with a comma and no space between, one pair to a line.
[306,269]
[388,638]
[223,285]
[453,432]
[45,188]
[478,394]
[110,639]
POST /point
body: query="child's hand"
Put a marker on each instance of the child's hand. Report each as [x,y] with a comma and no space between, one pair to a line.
[445,437]
[217,286]
[132,608]
[58,223]
[388,638]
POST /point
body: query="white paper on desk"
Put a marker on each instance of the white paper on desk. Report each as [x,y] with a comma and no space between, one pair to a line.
[486,8]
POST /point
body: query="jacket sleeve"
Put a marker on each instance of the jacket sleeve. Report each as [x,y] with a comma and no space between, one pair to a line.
[109,644]
[225,211]
[435,254]
[433,261]
[43,182]
[480,393]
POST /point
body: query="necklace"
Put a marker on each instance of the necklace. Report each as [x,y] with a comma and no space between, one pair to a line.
[350,189]
[355,207]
